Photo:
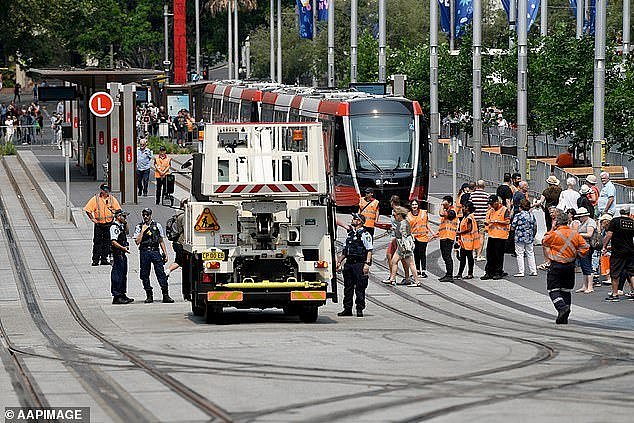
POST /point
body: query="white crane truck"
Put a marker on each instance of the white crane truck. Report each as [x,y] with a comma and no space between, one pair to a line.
[260,224]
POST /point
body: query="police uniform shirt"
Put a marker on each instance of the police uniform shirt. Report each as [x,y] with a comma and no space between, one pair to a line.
[366,238]
[115,230]
[137,229]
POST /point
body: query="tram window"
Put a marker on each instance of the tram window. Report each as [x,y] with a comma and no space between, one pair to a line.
[287,169]
[254,112]
[245,111]
[223,170]
[294,116]
[267,113]
[279,116]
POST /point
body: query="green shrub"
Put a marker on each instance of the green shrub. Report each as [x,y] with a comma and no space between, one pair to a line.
[8,149]
[155,143]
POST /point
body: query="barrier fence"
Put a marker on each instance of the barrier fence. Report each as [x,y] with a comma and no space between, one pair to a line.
[27,134]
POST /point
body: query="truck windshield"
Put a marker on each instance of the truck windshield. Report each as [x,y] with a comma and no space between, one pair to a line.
[386,141]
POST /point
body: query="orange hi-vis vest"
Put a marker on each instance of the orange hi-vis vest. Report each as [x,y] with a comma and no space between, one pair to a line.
[470,241]
[162,165]
[102,208]
[448,228]
[418,224]
[369,210]
[564,245]
[459,206]
[497,223]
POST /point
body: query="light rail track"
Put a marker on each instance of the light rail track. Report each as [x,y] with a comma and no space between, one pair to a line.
[127,412]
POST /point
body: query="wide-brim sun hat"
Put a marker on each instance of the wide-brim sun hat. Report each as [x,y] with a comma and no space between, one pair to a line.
[582,211]
[552,180]
[606,216]
[584,190]
[592,179]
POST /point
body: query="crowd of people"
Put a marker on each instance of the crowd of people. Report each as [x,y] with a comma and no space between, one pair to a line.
[582,234]
[155,121]
[20,124]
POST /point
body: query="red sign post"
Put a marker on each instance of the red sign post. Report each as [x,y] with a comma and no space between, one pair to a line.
[101,104]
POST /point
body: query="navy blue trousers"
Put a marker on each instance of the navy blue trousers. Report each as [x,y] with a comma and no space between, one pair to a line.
[354,284]
[149,258]
[119,275]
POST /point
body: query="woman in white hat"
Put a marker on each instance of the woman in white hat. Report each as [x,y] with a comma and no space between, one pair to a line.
[584,200]
[549,198]
[593,196]
[586,230]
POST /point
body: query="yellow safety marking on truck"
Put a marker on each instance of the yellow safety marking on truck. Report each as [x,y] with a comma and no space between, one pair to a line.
[224,296]
[206,222]
[308,295]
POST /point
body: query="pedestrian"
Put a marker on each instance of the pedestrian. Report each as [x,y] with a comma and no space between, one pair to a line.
[143,163]
[357,254]
[149,236]
[584,200]
[162,168]
[462,199]
[516,178]
[505,192]
[573,222]
[586,229]
[419,222]
[619,235]
[593,196]
[405,248]
[16,92]
[100,210]
[562,246]
[468,239]
[604,259]
[568,197]
[565,159]
[480,200]
[498,221]
[447,235]
[519,195]
[607,195]
[35,97]
[120,247]
[525,227]
[395,203]
[178,238]
[369,208]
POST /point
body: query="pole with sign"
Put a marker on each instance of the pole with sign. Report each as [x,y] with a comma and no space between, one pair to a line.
[67,152]
[454,129]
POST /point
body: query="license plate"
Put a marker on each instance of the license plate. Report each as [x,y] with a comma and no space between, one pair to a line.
[213,255]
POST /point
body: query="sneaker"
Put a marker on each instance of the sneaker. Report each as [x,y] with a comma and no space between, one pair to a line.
[446,278]
[359,313]
[480,259]
[458,277]
[518,275]
[486,276]
[345,313]
[423,274]
[532,274]
[562,317]
[630,295]
[468,277]
[612,298]
[120,300]
[387,281]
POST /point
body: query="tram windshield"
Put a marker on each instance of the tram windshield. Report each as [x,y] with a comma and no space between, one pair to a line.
[383,142]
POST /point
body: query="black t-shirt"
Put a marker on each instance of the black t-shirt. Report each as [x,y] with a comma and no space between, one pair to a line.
[622,229]
[505,193]
[584,202]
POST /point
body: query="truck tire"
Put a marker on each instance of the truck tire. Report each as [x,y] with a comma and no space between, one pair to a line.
[309,314]
[213,313]
[197,309]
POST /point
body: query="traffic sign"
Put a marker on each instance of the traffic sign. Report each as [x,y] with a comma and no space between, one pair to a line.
[101,104]
[206,222]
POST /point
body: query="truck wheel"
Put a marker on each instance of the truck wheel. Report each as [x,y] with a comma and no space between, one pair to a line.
[212,313]
[309,314]
[197,309]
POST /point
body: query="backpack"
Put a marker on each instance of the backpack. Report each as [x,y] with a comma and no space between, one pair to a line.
[171,228]
[596,240]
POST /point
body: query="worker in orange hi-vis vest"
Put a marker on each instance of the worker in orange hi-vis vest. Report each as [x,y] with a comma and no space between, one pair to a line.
[468,239]
[369,208]
[562,246]
[419,222]
[447,235]
[498,224]
[100,210]
[162,168]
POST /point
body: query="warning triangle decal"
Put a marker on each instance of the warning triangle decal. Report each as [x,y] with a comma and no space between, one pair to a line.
[206,222]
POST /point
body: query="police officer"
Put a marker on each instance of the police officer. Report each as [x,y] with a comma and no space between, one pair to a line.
[149,235]
[562,246]
[119,275]
[357,254]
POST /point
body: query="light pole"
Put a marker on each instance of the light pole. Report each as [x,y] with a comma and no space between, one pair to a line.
[579,18]
[543,18]
[331,44]
[434,117]
[477,88]
[353,40]
[197,11]
[599,86]
[512,21]
[626,27]
[272,39]
[236,46]
[279,41]
[166,15]
[522,77]
[382,42]
[452,23]
[229,39]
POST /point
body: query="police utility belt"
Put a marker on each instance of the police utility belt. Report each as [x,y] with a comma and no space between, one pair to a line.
[355,259]
[149,248]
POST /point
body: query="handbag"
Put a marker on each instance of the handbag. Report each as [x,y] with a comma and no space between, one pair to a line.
[596,240]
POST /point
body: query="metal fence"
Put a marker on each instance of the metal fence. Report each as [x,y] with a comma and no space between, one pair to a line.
[27,135]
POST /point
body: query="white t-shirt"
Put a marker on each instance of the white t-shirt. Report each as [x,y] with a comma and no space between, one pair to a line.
[568,199]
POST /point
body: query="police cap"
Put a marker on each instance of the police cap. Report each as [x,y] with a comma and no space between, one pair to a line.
[147,211]
[120,212]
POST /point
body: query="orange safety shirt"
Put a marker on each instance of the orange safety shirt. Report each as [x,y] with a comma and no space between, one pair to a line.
[419,225]
[448,228]
[498,222]
[564,245]
[162,164]
[369,210]
[102,208]
[469,238]
[459,205]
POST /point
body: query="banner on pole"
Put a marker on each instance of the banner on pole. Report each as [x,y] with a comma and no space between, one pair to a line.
[462,18]
[322,10]
[588,20]
[533,8]
[305,11]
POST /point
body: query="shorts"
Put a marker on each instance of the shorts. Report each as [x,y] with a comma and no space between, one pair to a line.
[586,264]
[620,265]
[392,246]
[481,227]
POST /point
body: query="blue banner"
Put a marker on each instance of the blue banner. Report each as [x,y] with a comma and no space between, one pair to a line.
[533,9]
[588,21]
[322,10]
[463,16]
[305,19]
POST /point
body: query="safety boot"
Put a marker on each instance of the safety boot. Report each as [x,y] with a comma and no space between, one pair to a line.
[166,296]
[150,297]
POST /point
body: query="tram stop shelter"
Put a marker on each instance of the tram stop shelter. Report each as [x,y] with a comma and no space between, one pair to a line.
[104,147]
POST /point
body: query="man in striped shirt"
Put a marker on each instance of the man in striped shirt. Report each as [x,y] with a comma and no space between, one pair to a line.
[480,200]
